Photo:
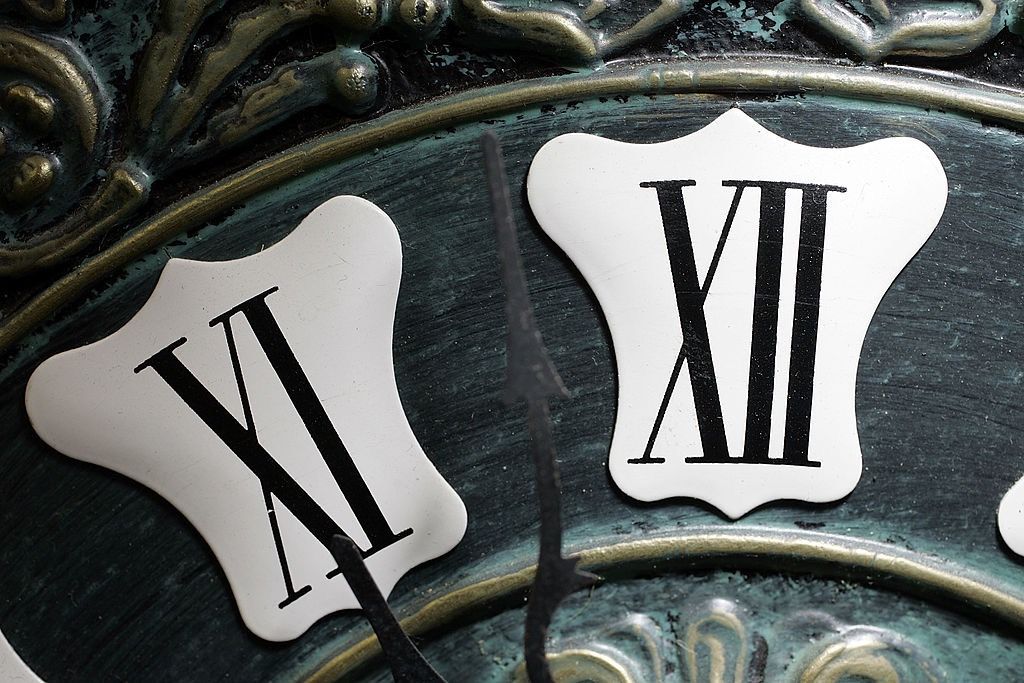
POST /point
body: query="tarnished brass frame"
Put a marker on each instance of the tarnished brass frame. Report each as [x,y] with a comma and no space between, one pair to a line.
[719,548]
[22,52]
[720,75]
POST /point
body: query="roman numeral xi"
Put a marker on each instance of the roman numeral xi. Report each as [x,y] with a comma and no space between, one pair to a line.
[691,296]
[243,440]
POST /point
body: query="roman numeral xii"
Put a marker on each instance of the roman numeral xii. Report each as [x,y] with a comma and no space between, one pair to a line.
[696,349]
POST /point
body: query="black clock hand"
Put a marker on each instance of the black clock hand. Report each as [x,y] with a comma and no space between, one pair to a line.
[406,661]
[532,377]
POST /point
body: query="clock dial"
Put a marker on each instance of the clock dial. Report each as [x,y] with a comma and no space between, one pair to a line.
[449,360]
[174,143]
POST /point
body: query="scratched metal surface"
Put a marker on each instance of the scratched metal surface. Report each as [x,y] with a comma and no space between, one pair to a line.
[104,581]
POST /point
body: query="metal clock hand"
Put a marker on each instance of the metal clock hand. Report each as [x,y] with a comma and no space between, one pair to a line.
[406,661]
[532,377]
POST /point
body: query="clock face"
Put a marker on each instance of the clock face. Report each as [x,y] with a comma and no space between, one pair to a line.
[769,339]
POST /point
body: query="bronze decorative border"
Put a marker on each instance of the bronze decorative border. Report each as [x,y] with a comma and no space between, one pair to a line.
[712,76]
[765,549]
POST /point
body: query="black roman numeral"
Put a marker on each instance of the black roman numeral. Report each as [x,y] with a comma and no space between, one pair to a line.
[243,440]
[696,350]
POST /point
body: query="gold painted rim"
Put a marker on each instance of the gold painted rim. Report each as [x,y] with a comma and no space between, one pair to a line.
[711,76]
[824,555]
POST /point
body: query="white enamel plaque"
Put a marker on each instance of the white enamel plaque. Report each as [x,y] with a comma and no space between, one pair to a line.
[258,396]
[738,273]
[1011,517]
[12,668]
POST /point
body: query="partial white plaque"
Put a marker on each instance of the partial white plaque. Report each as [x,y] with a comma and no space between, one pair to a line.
[738,273]
[258,396]
[12,668]
[1011,517]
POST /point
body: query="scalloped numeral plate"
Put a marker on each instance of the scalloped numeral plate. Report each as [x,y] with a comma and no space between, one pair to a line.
[738,273]
[258,396]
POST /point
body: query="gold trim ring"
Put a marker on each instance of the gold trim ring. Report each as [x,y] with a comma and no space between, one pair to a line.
[822,555]
[746,76]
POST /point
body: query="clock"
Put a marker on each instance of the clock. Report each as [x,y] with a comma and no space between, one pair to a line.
[496,341]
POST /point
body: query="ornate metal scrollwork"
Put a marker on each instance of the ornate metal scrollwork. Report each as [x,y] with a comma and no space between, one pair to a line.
[53,101]
[177,119]
[45,10]
[880,29]
[631,650]
[717,646]
[870,654]
[185,106]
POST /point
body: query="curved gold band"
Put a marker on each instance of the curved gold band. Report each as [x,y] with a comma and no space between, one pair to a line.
[728,75]
[766,549]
